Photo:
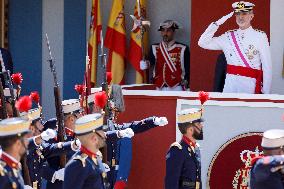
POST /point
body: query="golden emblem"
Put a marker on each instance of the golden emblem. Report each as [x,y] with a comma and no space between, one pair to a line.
[241,5]
[251,52]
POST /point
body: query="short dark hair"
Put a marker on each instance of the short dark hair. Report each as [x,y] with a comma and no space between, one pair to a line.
[7,141]
[184,126]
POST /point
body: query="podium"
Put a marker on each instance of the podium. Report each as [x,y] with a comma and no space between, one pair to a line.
[227,117]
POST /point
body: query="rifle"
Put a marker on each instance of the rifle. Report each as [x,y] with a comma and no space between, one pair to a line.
[7,78]
[58,104]
[8,82]
[104,83]
[3,111]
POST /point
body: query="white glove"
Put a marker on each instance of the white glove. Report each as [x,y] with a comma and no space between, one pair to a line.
[144,64]
[161,121]
[28,187]
[48,134]
[126,133]
[76,145]
[107,169]
[58,175]
[224,19]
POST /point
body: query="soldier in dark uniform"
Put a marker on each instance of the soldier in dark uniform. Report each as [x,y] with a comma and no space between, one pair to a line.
[119,152]
[84,171]
[13,141]
[268,171]
[183,163]
[37,157]
[51,170]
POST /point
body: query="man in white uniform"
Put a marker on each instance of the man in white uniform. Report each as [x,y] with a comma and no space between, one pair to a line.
[247,51]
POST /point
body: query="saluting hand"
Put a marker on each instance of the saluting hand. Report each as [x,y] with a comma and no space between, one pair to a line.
[224,19]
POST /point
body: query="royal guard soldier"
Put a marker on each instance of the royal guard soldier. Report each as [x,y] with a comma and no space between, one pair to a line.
[169,59]
[183,160]
[13,141]
[84,170]
[247,52]
[51,170]
[267,170]
[37,156]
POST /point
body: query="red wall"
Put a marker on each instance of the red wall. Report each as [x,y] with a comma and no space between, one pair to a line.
[150,148]
[203,13]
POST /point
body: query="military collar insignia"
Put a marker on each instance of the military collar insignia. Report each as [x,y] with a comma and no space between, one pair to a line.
[11,162]
[69,132]
[88,152]
[189,142]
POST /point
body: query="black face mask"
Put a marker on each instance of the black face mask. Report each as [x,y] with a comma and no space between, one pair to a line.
[198,135]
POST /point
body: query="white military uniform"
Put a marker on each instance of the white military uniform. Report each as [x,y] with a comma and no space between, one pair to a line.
[253,45]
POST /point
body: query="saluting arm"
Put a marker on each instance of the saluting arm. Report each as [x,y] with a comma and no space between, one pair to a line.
[207,39]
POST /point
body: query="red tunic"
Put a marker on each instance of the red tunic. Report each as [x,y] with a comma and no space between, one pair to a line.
[163,74]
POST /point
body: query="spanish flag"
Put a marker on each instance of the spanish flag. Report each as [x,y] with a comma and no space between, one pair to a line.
[94,40]
[135,49]
[115,41]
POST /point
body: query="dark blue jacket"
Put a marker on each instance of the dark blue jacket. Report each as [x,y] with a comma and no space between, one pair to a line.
[183,170]
[37,157]
[82,172]
[53,164]
[121,150]
[10,178]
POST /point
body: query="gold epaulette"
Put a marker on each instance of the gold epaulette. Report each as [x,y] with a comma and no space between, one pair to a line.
[82,158]
[2,168]
[176,144]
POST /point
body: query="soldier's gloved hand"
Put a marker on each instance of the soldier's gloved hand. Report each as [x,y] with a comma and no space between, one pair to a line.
[224,19]
[107,169]
[144,64]
[28,187]
[160,121]
[76,145]
[48,134]
[126,133]
[58,175]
